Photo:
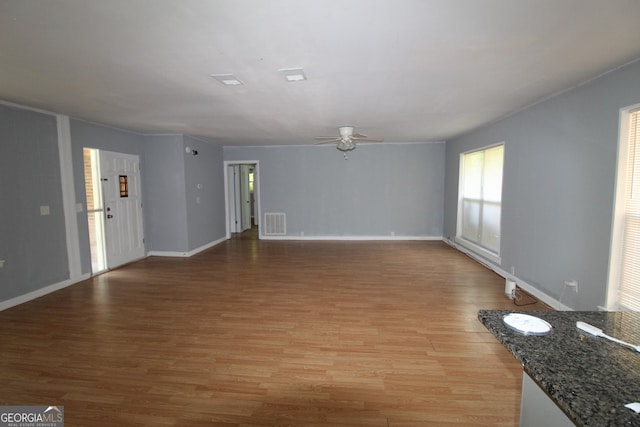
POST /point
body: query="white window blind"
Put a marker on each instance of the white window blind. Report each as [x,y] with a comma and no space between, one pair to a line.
[629,291]
[481,197]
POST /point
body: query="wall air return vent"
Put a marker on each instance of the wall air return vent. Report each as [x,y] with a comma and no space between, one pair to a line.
[275,224]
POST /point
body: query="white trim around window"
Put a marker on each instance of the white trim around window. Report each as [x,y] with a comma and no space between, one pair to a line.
[480,200]
[623,287]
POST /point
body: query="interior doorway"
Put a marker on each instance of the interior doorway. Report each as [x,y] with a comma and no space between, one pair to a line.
[242,199]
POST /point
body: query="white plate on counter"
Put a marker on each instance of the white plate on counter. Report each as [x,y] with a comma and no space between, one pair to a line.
[527,324]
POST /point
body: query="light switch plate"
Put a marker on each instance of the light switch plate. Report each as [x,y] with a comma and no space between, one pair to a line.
[44,210]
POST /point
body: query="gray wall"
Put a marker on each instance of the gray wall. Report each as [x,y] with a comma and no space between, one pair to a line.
[165,199]
[180,216]
[34,246]
[381,189]
[91,135]
[205,205]
[559,176]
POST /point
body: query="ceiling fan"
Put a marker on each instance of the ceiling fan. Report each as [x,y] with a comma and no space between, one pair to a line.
[347,139]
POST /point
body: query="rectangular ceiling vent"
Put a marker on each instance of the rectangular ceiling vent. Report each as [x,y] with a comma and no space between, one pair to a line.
[275,224]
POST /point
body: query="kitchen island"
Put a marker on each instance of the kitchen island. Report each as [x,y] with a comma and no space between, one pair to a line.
[588,379]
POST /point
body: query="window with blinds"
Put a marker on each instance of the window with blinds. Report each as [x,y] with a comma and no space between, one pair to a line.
[481,198]
[624,282]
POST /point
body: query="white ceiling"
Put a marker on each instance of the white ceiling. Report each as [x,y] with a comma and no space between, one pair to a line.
[405,70]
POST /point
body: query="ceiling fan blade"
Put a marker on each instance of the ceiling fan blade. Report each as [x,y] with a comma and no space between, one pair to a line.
[327,138]
[330,141]
[367,138]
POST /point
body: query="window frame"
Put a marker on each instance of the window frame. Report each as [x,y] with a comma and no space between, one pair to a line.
[459,239]
[616,252]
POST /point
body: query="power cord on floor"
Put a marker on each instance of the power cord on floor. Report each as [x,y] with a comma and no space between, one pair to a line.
[519,294]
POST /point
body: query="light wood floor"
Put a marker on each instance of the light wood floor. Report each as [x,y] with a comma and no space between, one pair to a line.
[268,333]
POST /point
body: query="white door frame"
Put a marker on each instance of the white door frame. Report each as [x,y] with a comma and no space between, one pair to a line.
[245,198]
[233,190]
[99,248]
[256,190]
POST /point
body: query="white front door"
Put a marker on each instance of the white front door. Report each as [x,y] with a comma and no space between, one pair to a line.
[120,177]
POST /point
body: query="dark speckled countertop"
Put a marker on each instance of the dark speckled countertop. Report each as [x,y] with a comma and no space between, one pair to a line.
[589,378]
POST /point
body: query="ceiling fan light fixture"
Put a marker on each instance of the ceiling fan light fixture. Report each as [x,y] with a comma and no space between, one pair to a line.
[293,74]
[346,144]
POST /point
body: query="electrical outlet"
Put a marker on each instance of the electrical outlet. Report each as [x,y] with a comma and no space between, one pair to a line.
[44,210]
[572,284]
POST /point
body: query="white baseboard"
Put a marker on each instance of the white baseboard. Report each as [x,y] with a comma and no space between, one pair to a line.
[550,301]
[352,238]
[21,299]
[186,254]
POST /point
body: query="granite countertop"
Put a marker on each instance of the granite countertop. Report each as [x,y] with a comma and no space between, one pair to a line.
[589,378]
